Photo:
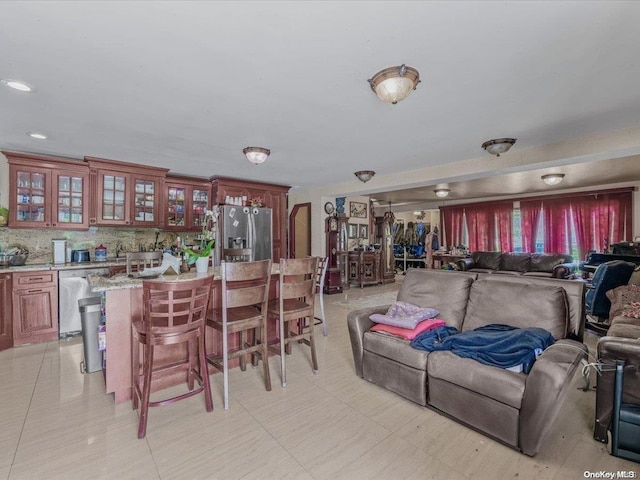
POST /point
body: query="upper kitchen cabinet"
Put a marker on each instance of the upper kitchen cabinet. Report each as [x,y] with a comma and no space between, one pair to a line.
[269,195]
[125,193]
[47,192]
[186,201]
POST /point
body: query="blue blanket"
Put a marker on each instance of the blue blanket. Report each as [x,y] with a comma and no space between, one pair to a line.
[498,345]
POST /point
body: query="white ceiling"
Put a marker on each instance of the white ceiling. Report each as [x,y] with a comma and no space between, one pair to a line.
[188,85]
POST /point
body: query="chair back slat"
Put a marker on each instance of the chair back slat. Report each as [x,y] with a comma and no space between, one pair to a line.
[245,283]
[138,261]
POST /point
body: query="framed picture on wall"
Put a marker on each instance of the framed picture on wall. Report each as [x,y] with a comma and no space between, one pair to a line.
[358,210]
[363,231]
[353,230]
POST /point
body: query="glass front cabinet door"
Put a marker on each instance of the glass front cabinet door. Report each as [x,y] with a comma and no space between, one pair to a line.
[187,200]
[47,192]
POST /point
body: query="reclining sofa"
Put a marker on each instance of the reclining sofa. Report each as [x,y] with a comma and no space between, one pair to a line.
[622,342]
[549,265]
[516,409]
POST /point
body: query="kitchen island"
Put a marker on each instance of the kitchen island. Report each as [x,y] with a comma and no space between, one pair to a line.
[123,305]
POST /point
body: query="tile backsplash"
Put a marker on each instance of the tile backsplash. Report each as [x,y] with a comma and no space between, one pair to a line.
[39,241]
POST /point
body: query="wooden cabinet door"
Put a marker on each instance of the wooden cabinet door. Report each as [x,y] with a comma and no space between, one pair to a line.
[112,205]
[70,205]
[29,197]
[200,203]
[177,207]
[6,322]
[35,307]
[146,193]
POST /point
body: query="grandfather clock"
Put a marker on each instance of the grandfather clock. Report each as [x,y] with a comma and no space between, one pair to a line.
[336,250]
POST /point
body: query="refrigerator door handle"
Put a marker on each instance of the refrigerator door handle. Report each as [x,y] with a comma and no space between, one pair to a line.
[251,233]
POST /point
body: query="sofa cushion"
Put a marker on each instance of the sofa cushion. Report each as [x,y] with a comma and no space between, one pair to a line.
[488,260]
[425,287]
[395,348]
[515,262]
[497,383]
[545,262]
[622,296]
[517,304]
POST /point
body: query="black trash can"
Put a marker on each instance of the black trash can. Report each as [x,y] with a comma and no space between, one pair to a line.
[90,319]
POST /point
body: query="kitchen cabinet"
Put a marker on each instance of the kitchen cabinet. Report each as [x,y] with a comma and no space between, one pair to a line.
[125,194]
[271,196]
[186,201]
[364,268]
[35,307]
[47,192]
[6,322]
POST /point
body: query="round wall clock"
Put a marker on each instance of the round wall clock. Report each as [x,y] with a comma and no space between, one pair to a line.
[328,208]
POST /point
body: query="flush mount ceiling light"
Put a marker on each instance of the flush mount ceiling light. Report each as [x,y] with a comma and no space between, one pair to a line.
[17,85]
[442,192]
[394,84]
[498,146]
[552,178]
[37,135]
[256,155]
[365,175]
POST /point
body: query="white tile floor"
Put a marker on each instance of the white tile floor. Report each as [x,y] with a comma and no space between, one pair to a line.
[57,423]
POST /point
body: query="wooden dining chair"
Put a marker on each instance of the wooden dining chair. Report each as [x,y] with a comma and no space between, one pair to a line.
[321,274]
[294,308]
[236,254]
[173,313]
[245,293]
[138,261]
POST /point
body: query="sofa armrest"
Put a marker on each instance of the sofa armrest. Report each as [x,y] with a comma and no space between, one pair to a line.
[358,323]
[563,270]
[547,386]
[611,349]
[465,264]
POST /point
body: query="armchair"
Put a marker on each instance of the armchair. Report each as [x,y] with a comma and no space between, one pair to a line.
[608,276]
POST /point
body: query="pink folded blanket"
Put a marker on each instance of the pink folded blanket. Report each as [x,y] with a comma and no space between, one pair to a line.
[404,315]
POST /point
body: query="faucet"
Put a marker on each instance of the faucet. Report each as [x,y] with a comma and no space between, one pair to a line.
[118,248]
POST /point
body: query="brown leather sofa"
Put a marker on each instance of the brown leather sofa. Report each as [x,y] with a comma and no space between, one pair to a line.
[516,409]
[622,342]
[549,265]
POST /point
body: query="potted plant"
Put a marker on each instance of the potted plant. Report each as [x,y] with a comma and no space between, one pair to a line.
[201,257]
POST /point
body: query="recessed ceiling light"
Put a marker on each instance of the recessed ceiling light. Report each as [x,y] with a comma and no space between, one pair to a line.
[37,135]
[17,85]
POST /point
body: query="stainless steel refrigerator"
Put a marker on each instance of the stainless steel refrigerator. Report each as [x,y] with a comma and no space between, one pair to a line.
[245,227]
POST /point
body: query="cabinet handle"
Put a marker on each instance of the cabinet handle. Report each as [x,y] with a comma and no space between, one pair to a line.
[35,291]
[36,279]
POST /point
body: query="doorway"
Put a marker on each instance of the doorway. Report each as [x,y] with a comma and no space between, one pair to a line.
[300,231]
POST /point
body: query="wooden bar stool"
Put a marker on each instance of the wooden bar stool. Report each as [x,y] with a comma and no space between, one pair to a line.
[174,313]
[321,273]
[138,261]
[245,293]
[236,254]
[295,307]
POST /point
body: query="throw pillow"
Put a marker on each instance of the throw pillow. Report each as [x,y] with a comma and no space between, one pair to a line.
[632,310]
[622,296]
[404,315]
[406,333]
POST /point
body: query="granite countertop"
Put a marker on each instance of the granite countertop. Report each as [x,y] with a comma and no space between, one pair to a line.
[123,281]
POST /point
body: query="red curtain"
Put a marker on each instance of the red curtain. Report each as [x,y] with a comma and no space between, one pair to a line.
[479,220]
[503,216]
[557,230]
[451,219]
[529,219]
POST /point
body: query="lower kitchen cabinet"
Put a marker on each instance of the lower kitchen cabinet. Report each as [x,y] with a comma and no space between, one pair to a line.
[35,307]
[6,322]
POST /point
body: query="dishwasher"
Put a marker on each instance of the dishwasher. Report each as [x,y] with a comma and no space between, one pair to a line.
[73,286]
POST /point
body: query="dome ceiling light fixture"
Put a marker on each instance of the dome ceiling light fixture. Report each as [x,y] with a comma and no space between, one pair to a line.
[498,146]
[552,178]
[442,192]
[394,84]
[256,155]
[364,175]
